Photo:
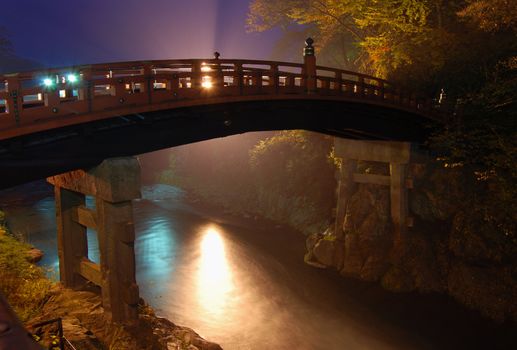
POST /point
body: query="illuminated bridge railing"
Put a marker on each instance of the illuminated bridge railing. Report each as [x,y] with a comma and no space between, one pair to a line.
[42,100]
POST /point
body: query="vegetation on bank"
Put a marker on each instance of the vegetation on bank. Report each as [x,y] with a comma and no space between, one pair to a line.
[287,176]
[464,49]
[21,282]
[464,203]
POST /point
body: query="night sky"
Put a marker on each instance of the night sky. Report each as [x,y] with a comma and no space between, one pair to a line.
[66,32]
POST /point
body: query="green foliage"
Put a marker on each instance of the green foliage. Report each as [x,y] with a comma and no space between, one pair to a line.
[491,15]
[378,36]
[467,47]
[23,284]
[293,170]
[484,144]
[287,176]
[293,163]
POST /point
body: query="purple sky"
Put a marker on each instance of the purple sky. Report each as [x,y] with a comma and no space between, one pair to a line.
[69,32]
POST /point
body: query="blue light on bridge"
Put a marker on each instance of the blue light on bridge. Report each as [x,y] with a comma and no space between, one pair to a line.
[48,82]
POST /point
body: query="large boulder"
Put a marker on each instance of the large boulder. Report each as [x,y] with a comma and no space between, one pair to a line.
[493,291]
[397,280]
[368,236]
[34,255]
[476,241]
[328,251]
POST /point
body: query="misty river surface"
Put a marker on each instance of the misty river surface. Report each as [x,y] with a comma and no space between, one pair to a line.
[243,283]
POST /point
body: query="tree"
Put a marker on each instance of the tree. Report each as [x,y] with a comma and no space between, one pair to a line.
[9,61]
[378,36]
[6,47]
[492,15]
[468,47]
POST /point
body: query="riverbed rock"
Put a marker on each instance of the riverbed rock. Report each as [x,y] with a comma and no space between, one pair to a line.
[477,241]
[397,280]
[325,251]
[311,241]
[491,290]
[34,255]
[85,323]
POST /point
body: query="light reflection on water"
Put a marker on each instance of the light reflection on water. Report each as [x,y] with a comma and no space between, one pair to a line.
[242,287]
[214,278]
[208,277]
[156,247]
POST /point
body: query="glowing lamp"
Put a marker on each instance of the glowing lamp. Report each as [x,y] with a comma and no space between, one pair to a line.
[47,82]
[71,78]
[207,84]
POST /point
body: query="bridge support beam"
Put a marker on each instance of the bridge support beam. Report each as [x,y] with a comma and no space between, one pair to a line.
[398,156]
[113,184]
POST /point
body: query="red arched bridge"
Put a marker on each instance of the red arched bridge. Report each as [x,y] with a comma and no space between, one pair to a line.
[60,119]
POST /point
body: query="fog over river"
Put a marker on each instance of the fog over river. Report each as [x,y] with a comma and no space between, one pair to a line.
[243,284]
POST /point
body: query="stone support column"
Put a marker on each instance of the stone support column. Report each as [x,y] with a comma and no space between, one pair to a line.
[116,244]
[113,184]
[398,155]
[398,202]
[72,243]
[345,190]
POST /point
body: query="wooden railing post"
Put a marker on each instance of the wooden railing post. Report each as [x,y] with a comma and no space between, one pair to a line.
[360,86]
[196,75]
[51,95]
[381,90]
[238,76]
[338,82]
[120,90]
[14,99]
[86,88]
[309,60]
[149,86]
[273,78]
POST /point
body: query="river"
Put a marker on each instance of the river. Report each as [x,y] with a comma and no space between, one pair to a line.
[243,284]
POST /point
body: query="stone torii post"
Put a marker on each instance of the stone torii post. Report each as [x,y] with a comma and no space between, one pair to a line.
[113,184]
[398,155]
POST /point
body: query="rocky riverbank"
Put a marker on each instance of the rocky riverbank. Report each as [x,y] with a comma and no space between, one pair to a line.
[448,250]
[86,327]
[36,299]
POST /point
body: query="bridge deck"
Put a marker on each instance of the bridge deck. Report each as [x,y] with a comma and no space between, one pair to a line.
[37,101]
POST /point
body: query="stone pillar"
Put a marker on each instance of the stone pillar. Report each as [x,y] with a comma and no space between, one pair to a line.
[398,155]
[72,243]
[345,191]
[113,184]
[120,293]
[398,202]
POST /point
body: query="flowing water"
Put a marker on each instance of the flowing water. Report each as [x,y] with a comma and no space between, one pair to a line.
[243,284]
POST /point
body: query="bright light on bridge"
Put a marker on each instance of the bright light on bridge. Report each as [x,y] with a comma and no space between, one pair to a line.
[48,82]
[72,78]
[207,83]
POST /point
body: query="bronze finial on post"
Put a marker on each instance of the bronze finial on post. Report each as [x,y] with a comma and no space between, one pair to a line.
[308,50]
[309,71]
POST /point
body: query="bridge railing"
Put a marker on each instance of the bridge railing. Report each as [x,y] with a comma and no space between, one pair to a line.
[56,96]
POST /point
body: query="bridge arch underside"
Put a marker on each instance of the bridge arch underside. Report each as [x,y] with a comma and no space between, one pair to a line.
[39,155]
